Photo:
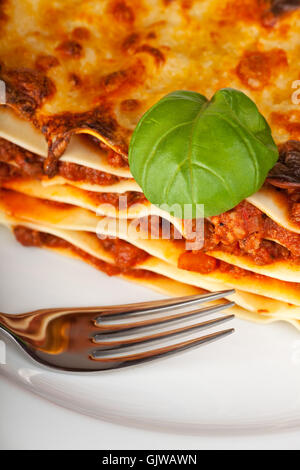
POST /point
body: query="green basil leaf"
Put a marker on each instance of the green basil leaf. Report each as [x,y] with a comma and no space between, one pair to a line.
[188,150]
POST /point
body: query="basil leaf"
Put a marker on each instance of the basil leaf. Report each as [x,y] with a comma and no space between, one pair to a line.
[188,150]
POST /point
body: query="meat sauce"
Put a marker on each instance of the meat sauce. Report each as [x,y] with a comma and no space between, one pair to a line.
[201,263]
[285,176]
[74,172]
[246,230]
[243,231]
[198,262]
[293,196]
[126,256]
[28,164]
[132,198]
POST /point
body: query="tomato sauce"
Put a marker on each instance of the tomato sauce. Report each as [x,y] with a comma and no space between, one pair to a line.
[126,256]
[132,197]
[32,165]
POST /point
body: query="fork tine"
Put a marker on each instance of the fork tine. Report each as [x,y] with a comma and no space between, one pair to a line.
[129,360]
[161,305]
[123,343]
[110,328]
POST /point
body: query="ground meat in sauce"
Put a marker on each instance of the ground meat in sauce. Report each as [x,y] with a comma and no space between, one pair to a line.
[58,205]
[7,171]
[74,172]
[126,256]
[293,204]
[295,209]
[198,262]
[26,162]
[204,264]
[244,230]
[29,164]
[132,198]
[292,198]
[114,159]
[29,237]
[241,231]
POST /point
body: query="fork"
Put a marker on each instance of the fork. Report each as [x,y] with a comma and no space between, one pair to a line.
[101,338]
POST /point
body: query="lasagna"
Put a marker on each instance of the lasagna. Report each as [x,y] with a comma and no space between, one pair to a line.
[79,76]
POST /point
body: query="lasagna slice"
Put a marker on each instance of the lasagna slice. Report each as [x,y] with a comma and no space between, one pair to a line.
[77,82]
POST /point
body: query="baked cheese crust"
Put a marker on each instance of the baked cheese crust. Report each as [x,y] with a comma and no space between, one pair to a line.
[96,66]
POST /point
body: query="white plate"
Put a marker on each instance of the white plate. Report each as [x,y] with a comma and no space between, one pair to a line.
[246,383]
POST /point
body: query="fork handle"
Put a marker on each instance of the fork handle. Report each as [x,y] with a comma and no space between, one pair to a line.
[9,324]
[3,323]
[43,330]
[27,327]
[16,323]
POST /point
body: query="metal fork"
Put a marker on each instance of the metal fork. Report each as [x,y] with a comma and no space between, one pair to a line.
[101,338]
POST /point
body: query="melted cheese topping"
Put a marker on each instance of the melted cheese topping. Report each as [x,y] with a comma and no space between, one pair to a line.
[104,63]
